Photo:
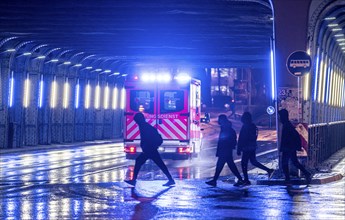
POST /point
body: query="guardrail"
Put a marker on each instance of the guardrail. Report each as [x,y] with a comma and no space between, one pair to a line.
[324,140]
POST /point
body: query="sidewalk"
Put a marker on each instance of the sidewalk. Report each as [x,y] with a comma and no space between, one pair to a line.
[333,169]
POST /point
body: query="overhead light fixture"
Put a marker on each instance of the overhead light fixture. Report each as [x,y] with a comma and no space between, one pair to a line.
[98,70]
[341,39]
[332,25]
[339,35]
[27,54]
[54,60]
[67,63]
[41,57]
[342,44]
[330,18]
[88,67]
[11,50]
[78,65]
[116,73]
[336,29]
[107,71]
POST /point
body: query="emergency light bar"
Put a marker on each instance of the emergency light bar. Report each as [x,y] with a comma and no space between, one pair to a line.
[163,78]
[183,78]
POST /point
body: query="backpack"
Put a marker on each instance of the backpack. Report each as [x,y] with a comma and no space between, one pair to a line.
[157,139]
[296,140]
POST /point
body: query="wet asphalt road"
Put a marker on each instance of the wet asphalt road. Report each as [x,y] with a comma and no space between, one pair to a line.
[87,183]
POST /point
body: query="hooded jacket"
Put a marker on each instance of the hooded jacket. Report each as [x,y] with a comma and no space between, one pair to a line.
[248,134]
[227,140]
[290,140]
[147,133]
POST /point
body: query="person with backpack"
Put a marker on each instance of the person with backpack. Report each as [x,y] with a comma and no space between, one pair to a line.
[289,145]
[150,140]
[226,144]
[247,146]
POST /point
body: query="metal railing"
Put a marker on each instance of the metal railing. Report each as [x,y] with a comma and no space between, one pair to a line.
[324,140]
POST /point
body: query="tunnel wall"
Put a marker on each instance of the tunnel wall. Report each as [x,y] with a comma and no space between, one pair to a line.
[26,123]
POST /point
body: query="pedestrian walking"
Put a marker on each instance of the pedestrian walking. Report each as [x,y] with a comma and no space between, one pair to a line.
[226,144]
[289,145]
[247,146]
[150,140]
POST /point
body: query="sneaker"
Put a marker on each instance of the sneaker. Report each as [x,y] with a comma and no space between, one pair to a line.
[270,173]
[212,183]
[131,182]
[239,183]
[246,183]
[169,183]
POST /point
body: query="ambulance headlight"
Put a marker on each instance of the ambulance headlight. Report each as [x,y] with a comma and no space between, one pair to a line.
[182,78]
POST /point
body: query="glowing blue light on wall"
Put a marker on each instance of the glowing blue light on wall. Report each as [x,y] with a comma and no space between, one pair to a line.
[273,84]
[77,93]
[11,91]
[40,93]
[328,84]
[316,72]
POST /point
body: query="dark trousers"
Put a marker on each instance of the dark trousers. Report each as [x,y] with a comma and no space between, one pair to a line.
[250,155]
[286,156]
[230,161]
[156,157]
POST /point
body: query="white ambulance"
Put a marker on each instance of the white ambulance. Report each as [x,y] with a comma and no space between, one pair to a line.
[172,105]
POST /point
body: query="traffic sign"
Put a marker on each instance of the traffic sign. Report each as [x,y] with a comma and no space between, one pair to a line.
[299,63]
[270,110]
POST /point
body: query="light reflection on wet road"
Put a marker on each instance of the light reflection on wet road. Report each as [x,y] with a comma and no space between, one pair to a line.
[87,183]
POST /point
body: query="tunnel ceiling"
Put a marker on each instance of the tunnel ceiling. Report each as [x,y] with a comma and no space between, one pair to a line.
[200,33]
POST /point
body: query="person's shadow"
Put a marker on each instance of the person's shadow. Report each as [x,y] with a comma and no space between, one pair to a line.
[145,209]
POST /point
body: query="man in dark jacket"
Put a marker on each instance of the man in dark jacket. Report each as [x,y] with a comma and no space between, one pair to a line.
[226,144]
[147,143]
[289,147]
[247,145]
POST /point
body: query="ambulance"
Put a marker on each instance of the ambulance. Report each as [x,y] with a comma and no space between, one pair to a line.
[169,103]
